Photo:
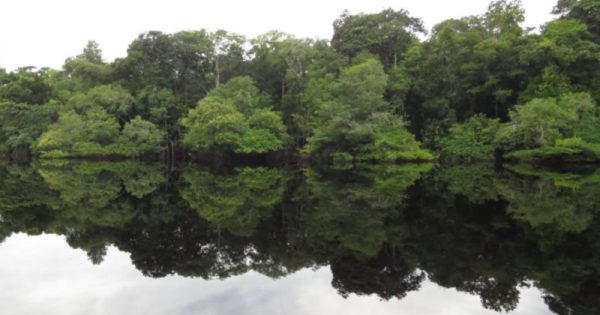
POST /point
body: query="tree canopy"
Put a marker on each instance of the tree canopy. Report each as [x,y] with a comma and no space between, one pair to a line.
[382,88]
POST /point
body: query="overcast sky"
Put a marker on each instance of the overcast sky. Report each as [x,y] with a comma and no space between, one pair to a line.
[43,275]
[45,33]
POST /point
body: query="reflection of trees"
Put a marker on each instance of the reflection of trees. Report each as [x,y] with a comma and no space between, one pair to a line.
[91,192]
[568,234]
[349,209]
[25,200]
[74,199]
[387,275]
[21,187]
[475,181]
[470,247]
[381,229]
[237,201]
[569,275]
[550,224]
[348,215]
[552,202]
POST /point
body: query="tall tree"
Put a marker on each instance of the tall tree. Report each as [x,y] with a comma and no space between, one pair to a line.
[586,11]
[227,55]
[387,34]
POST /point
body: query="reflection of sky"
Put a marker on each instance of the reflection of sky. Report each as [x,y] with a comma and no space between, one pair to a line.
[43,275]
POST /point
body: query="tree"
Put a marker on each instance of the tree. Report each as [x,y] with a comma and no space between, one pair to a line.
[563,127]
[243,94]
[143,136]
[234,117]
[586,11]
[535,124]
[214,123]
[228,55]
[563,58]
[283,67]
[471,140]
[97,123]
[505,17]
[92,53]
[76,134]
[179,62]
[468,66]
[22,124]
[114,99]
[387,34]
[88,69]
[26,86]
[321,68]
[353,122]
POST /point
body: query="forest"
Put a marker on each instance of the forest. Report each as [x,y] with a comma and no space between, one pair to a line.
[383,88]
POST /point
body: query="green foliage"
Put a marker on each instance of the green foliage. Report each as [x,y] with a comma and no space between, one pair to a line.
[541,122]
[213,123]
[97,123]
[113,99]
[25,86]
[91,52]
[178,62]
[22,124]
[87,69]
[505,17]
[360,88]
[564,128]
[158,106]
[586,11]
[96,133]
[469,65]
[398,88]
[543,153]
[573,149]
[234,118]
[259,141]
[353,121]
[86,74]
[375,91]
[142,136]
[564,58]
[78,135]
[471,140]
[243,94]
[550,84]
[386,34]
[227,55]
[392,142]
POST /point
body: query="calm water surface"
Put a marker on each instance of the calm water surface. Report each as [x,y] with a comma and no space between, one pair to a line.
[125,237]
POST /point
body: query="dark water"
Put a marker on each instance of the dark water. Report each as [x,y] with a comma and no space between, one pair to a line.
[125,237]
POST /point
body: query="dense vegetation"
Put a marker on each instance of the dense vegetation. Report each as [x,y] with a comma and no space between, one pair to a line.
[477,87]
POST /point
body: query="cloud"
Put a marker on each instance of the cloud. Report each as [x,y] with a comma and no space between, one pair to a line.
[43,275]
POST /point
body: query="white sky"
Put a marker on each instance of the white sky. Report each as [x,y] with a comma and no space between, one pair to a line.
[46,32]
[43,275]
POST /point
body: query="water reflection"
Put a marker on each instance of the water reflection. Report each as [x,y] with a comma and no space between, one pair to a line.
[382,230]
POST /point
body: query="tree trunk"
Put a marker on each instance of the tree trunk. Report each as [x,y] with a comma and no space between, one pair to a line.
[282,91]
[217,72]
